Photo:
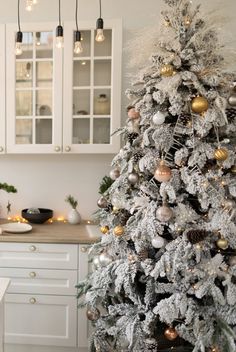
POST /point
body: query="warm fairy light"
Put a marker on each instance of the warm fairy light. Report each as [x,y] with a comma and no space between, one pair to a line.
[88,222]
[60,218]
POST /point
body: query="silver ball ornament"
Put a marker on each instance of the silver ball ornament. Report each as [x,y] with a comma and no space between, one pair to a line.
[133,178]
[164,213]
[114,174]
[232,99]
[105,259]
[96,263]
[158,242]
[102,202]
[93,315]
[159,118]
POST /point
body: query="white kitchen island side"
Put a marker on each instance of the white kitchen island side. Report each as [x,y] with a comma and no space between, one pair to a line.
[4,283]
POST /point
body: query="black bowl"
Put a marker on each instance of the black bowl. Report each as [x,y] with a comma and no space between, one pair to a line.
[39,218]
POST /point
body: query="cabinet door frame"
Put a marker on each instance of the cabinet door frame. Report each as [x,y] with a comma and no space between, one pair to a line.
[12,147]
[116,26]
[3,90]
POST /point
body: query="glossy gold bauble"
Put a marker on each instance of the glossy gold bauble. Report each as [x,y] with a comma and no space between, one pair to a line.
[221,154]
[233,169]
[214,349]
[170,334]
[118,231]
[104,229]
[167,70]
[93,315]
[163,172]
[199,105]
[222,243]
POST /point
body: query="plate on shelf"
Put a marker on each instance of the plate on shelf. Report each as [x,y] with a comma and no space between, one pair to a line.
[16,227]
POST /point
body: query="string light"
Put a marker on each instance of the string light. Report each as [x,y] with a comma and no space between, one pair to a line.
[19,34]
[99,25]
[59,30]
[77,45]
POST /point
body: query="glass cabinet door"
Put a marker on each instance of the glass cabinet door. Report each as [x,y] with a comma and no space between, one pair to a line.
[92,100]
[35,112]
[2,85]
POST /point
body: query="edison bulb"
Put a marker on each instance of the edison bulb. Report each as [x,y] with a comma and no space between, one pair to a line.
[100,36]
[78,47]
[59,42]
[29,5]
[18,48]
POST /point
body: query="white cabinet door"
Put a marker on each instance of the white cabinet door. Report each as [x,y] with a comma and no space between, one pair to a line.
[92,89]
[2,85]
[41,320]
[34,90]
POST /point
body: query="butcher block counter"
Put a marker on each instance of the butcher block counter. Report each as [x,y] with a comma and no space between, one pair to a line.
[56,232]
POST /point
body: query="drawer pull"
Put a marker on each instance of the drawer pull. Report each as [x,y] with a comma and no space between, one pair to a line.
[84,249]
[32,248]
[32,274]
[32,300]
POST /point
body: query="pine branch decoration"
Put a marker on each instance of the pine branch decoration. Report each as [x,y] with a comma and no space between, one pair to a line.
[105,184]
[196,236]
[8,188]
[72,201]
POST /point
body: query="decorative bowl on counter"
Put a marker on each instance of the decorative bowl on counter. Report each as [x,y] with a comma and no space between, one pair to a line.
[37,217]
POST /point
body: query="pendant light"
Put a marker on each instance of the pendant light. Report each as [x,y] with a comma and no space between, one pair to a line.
[77,44]
[99,26]
[59,30]
[19,34]
[29,5]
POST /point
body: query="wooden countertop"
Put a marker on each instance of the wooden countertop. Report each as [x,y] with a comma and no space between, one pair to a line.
[55,232]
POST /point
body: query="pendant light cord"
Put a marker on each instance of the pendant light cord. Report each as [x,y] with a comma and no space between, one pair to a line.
[100,8]
[18,15]
[76,15]
[59,3]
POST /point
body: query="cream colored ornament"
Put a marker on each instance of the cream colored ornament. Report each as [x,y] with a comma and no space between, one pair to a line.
[221,154]
[232,261]
[164,213]
[114,174]
[163,172]
[199,105]
[167,70]
[159,118]
[232,99]
[158,242]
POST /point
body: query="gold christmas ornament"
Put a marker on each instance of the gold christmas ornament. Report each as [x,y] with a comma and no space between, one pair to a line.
[221,154]
[167,70]
[199,105]
[233,169]
[222,243]
[163,172]
[104,229]
[118,231]
[187,21]
[170,334]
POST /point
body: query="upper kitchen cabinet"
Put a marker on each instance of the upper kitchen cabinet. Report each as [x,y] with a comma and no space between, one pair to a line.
[59,101]
[2,95]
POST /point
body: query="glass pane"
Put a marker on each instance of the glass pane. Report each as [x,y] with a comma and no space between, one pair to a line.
[44,102]
[27,46]
[44,74]
[86,44]
[103,48]
[24,74]
[43,131]
[102,72]
[102,102]
[101,131]
[44,44]
[81,131]
[23,103]
[23,131]
[81,102]
[81,73]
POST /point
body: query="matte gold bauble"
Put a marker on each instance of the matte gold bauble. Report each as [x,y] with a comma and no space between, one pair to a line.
[199,105]
[170,334]
[233,170]
[221,154]
[163,172]
[93,314]
[104,229]
[167,70]
[118,231]
[222,243]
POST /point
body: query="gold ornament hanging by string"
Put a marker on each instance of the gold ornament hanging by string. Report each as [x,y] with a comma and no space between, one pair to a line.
[104,229]
[167,70]
[118,231]
[233,170]
[199,105]
[221,154]
[222,243]
[163,172]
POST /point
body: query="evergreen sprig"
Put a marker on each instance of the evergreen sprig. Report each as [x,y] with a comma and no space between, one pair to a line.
[8,188]
[72,201]
[105,184]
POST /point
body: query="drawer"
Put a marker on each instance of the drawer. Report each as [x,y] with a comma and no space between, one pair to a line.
[44,320]
[39,255]
[41,281]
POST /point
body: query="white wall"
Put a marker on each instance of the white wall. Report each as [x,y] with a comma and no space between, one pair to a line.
[45,180]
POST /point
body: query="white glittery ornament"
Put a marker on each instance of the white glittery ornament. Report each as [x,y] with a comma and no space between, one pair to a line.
[159,118]
[158,242]
[164,213]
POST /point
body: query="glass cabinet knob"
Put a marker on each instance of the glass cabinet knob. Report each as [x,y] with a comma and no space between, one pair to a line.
[32,274]
[67,148]
[32,300]
[32,248]
[57,148]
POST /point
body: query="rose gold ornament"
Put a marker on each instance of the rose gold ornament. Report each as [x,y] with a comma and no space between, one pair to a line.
[163,172]
[199,105]
[167,70]
[133,114]
[114,174]
[118,231]
[164,213]
[170,334]
[104,229]
[221,154]
[93,314]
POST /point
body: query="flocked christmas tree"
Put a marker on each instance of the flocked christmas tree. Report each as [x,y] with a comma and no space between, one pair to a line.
[164,274]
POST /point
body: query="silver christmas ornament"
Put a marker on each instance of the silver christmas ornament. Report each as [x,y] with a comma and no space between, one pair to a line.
[93,314]
[232,99]
[164,213]
[102,202]
[114,174]
[96,263]
[228,204]
[159,118]
[158,242]
[133,178]
[105,259]
[232,261]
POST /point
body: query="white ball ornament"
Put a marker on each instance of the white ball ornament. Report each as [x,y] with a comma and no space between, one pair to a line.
[158,242]
[164,213]
[159,118]
[114,174]
[96,263]
[105,259]
[133,178]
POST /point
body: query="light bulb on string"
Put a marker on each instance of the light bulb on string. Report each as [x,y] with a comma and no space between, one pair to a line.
[77,42]
[19,34]
[99,26]
[28,70]
[59,30]
[38,38]
[29,5]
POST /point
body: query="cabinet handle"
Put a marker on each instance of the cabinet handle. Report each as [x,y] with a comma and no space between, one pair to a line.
[67,148]
[32,300]
[32,248]
[32,274]
[84,249]
[57,148]
[1,149]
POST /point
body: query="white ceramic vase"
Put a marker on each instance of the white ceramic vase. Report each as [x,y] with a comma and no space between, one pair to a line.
[74,217]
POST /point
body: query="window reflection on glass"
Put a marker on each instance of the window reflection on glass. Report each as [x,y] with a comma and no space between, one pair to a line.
[27,46]
[44,73]
[102,102]
[102,72]
[81,102]
[81,131]
[24,74]
[23,103]
[81,73]
[103,48]
[43,131]
[23,131]
[44,44]
[44,102]
[86,43]
[101,131]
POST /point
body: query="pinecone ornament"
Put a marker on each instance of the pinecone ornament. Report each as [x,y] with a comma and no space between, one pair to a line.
[132,136]
[109,208]
[151,345]
[124,216]
[143,254]
[185,118]
[137,156]
[231,113]
[196,236]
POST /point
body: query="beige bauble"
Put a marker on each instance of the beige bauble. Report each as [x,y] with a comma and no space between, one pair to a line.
[199,105]
[104,229]
[114,174]
[233,170]
[232,261]
[133,114]
[164,213]
[167,70]
[93,315]
[232,99]
[222,243]
[163,173]
[221,154]
[118,230]
[170,334]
